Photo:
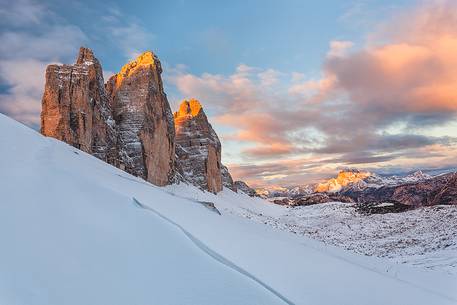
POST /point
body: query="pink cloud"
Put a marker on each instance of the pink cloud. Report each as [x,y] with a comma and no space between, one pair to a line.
[371,106]
[413,71]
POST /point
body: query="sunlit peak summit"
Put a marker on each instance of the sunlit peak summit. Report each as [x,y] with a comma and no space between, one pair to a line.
[190,107]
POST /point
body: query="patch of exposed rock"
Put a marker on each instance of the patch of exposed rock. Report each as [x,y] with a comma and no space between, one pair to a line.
[315,198]
[227,180]
[75,108]
[199,152]
[243,187]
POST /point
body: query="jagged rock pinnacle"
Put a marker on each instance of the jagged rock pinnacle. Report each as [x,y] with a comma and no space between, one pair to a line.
[197,146]
[189,107]
[75,108]
[144,120]
[85,55]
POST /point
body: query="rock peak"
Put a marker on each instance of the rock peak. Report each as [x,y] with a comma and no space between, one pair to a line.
[190,107]
[75,108]
[344,178]
[85,55]
[199,148]
[145,59]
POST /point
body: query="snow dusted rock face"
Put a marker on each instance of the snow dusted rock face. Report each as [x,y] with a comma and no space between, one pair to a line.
[144,121]
[243,187]
[316,198]
[199,152]
[227,180]
[440,190]
[75,108]
[344,178]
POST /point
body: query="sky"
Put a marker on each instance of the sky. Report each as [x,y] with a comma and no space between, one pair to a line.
[296,90]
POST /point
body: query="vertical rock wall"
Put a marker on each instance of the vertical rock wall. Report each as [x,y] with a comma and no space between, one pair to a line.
[75,108]
[199,147]
[144,121]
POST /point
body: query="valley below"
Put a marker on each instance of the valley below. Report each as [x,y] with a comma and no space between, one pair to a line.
[424,237]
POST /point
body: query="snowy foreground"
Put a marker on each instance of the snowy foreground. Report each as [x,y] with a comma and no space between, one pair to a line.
[425,238]
[75,230]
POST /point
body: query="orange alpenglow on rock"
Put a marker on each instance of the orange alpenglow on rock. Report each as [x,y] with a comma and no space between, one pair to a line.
[197,147]
[344,178]
[188,108]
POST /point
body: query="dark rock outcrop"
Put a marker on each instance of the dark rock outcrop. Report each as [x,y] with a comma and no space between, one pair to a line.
[314,198]
[227,180]
[382,208]
[199,152]
[144,121]
[434,191]
[75,108]
[241,186]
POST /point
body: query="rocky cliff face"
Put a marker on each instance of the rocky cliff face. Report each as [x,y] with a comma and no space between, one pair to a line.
[128,122]
[144,121]
[199,152]
[241,186]
[75,108]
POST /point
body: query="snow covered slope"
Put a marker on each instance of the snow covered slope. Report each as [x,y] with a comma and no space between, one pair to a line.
[75,230]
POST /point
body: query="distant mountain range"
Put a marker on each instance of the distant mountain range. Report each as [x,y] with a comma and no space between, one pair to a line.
[389,193]
[350,177]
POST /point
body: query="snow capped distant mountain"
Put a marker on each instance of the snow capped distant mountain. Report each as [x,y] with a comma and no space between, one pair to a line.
[300,190]
[376,181]
[279,191]
[346,179]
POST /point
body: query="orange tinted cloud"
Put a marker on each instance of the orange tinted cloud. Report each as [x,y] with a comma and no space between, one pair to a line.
[413,72]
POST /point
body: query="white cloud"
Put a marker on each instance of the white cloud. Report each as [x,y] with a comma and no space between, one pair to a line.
[339,48]
[26,81]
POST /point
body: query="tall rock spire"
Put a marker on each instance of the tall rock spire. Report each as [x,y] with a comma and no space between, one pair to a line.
[198,147]
[75,108]
[144,121]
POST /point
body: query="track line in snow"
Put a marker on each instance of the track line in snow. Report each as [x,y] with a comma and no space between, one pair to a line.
[209,205]
[216,256]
